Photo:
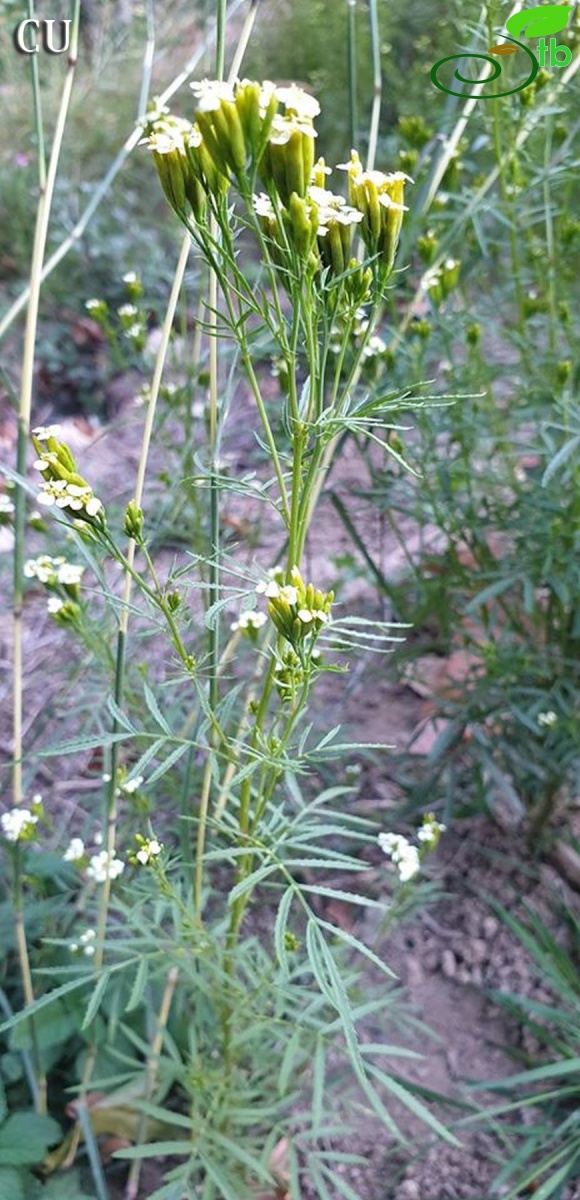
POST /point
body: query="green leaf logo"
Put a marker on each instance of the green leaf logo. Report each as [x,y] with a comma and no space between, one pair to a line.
[541,21]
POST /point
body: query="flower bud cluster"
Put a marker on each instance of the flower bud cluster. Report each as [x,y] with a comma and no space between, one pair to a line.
[61,483]
[379,198]
[297,610]
[441,282]
[148,849]
[247,129]
[291,672]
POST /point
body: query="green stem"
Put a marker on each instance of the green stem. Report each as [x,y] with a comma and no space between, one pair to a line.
[550,243]
[25,403]
[351,33]
[130,575]
[26,976]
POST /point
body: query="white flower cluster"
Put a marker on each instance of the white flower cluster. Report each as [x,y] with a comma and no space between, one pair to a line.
[402,853]
[67,495]
[332,207]
[103,866]
[249,621]
[430,830]
[53,570]
[149,848]
[547,719]
[289,593]
[44,432]
[6,505]
[75,851]
[130,785]
[407,857]
[86,943]
[18,824]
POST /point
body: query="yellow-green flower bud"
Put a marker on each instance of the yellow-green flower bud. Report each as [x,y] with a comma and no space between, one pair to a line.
[449,275]
[169,157]
[301,224]
[205,121]
[134,521]
[473,334]
[563,371]
[319,173]
[257,105]
[358,283]
[427,246]
[288,159]
[379,198]
[421,328]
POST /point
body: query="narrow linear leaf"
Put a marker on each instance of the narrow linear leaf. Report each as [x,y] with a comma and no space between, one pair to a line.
[95,1000]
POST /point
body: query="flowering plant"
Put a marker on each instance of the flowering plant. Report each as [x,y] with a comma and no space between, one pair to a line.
[254,812]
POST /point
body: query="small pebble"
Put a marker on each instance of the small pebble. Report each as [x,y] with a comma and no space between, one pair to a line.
[490,927]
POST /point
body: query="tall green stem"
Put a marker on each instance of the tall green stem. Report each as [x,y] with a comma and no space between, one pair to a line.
[25,974]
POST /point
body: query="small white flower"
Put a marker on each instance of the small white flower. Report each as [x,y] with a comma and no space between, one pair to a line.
[430,830]
[409,866]
[86,940]
[131,785]
[70,573]
[135,331]
[284,127]
[263,206]
[249,620]
[150,849]
[102,867]
[75,850]
[6,504]
[44,432]
[127,310]
[547,719]
[54,605]
[288,593]
[403,854]
[18,823]
[90,306]
[297,101]
[374,346]
[93,506]
[130,277]
[209,94]
[86,943]
[305,616]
